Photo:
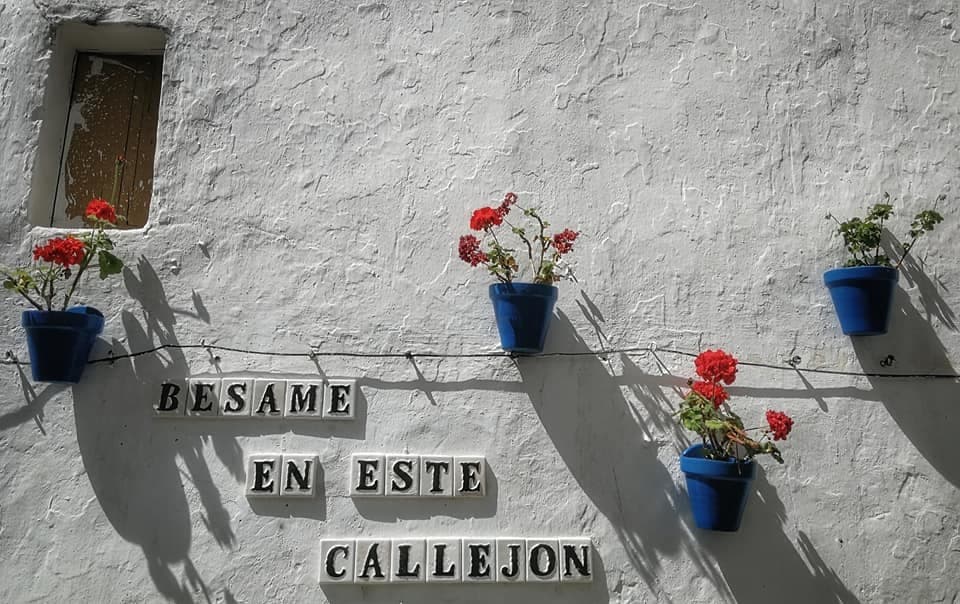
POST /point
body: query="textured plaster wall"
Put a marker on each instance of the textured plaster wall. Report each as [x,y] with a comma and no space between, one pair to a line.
[316,162]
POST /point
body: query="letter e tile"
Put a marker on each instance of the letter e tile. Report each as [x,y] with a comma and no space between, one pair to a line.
[470,476]
[203,398]
[366,475]
[479,560]
[339,399]
[263,475]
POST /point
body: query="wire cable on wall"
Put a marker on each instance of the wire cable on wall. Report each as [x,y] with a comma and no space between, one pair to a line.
[792,364]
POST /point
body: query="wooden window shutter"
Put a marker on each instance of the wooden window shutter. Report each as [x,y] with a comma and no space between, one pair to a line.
[113,113]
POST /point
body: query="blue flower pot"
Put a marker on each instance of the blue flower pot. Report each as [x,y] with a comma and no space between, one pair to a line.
[523,312]
[718,490]
[59,342]
[863,296]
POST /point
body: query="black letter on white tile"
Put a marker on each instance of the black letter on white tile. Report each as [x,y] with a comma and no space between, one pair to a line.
[168,394]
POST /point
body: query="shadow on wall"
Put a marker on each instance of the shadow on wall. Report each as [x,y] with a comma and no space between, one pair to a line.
[610,448]
[132,465]
[603,443]
[760,564]
[927,411]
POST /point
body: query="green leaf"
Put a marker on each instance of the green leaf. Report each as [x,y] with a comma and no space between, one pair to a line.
[715,424]
[109,264]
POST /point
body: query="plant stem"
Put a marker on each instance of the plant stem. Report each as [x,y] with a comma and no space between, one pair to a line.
[906,251]
[524,239]
[76,279]
[876,253]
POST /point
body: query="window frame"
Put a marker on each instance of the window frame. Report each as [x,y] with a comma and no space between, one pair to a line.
[72,38]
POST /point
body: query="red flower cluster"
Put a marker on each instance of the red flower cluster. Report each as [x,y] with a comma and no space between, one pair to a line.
[101,210]
[508,200]
[65,251]
[716,366]
[484,218]
[470,250]
[780,424]
[715,393]
[563,241]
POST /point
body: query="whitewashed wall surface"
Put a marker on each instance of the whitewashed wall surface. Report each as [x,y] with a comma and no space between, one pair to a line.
[316,163]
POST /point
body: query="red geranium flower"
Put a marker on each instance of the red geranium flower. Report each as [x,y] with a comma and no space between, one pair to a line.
[780,424]
[715,393]
[65,251]
[484,218]
[508,200]
[470,251]
[101,210]
[563,241]
[716,366]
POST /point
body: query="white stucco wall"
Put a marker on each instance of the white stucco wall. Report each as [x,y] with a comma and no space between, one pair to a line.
[316,163]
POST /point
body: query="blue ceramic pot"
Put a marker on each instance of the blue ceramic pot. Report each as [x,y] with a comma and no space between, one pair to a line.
[862,296]
[718,490]
[59,342]
[523,312]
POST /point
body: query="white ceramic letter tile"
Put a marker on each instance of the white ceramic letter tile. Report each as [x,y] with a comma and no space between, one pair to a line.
[576,560]
[444,559]
[303,400]
[372,561]
[402,476]
[298,476]
[339,399]
[336,560]
[366,474]
[263,475]
[470,476]
[511,560]
[408,558]
[268,397]
[235,397]
[479,560]
[171,399]
[543,560]
[203,399]
[436,476]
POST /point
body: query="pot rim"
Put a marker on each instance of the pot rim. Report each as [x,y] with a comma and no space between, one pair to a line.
[856,273]
[692,462]
[76,317]
[524,288]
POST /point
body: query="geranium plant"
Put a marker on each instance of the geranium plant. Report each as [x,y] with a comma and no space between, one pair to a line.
[863,236]
[544,251]
[705,411]
[65,260]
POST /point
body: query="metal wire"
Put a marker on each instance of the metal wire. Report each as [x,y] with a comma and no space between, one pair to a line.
[789,365]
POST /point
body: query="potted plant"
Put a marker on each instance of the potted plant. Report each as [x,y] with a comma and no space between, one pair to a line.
[862,290]
[720,468]
[522,309]
[59,337]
